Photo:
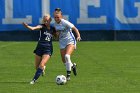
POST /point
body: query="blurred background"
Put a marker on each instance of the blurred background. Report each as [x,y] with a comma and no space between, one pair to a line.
[97,20]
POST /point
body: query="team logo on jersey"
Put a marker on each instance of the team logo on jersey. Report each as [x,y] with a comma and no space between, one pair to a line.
[48,34]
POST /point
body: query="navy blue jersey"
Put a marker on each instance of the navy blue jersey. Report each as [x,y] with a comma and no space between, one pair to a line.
[44,45]
[46,35]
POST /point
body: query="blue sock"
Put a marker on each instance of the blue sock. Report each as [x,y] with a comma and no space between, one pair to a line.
[37,74]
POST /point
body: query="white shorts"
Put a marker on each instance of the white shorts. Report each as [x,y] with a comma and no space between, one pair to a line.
[64,43]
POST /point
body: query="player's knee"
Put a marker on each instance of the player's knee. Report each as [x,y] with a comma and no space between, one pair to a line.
[67,57]
[41,65]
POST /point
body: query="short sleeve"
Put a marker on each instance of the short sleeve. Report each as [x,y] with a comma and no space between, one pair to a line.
[41,26]
[67,23]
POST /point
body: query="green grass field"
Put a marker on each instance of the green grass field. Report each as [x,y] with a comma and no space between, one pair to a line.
[103,67]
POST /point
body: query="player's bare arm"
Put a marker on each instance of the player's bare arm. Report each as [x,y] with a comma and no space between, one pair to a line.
[31,27]
[77,33]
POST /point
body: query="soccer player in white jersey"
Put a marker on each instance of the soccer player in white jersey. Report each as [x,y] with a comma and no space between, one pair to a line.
[67,40]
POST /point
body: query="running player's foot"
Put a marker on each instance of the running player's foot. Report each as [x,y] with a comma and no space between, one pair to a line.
[32,82]
[74,69]
[68,78]
[68,75]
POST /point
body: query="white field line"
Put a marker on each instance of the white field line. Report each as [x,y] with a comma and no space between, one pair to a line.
[9,44]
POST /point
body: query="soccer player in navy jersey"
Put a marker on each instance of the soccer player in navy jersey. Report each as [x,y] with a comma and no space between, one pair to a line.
[44,48]
[67,40]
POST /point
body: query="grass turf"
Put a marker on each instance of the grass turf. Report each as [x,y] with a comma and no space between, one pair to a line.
[103,67]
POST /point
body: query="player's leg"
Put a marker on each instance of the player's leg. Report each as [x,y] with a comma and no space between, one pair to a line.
[69,50]
[43,62]
[63,52]
[37,61]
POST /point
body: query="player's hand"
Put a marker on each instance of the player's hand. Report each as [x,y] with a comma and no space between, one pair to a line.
[25,24]
[78,38]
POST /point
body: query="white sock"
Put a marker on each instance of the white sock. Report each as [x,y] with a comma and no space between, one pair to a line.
[71,64]
[68,66]
[68,62]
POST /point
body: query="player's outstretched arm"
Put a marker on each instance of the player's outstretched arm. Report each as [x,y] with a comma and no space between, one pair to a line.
[31,27]
[77,33]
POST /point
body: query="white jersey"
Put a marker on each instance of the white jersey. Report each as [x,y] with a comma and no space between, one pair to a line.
[66,36]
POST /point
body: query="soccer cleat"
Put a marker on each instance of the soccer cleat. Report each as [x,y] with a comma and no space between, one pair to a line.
[74,69]
[32,82]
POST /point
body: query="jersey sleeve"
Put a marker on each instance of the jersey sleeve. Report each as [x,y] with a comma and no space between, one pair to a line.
[41,26]
[67,23]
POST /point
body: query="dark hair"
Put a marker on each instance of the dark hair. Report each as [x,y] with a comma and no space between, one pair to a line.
[57,9]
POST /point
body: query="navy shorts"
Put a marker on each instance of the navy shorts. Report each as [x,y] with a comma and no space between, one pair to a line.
[40,51]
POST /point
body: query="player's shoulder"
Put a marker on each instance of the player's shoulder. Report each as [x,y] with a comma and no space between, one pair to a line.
[67,23]
[42,25]
[64,21]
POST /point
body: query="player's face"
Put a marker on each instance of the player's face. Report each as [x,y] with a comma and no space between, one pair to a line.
[46,19]
[57,17]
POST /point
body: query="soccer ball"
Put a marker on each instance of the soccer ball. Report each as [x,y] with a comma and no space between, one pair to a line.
[61,80]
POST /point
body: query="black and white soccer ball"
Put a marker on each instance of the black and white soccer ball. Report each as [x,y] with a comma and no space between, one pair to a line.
[61,80]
